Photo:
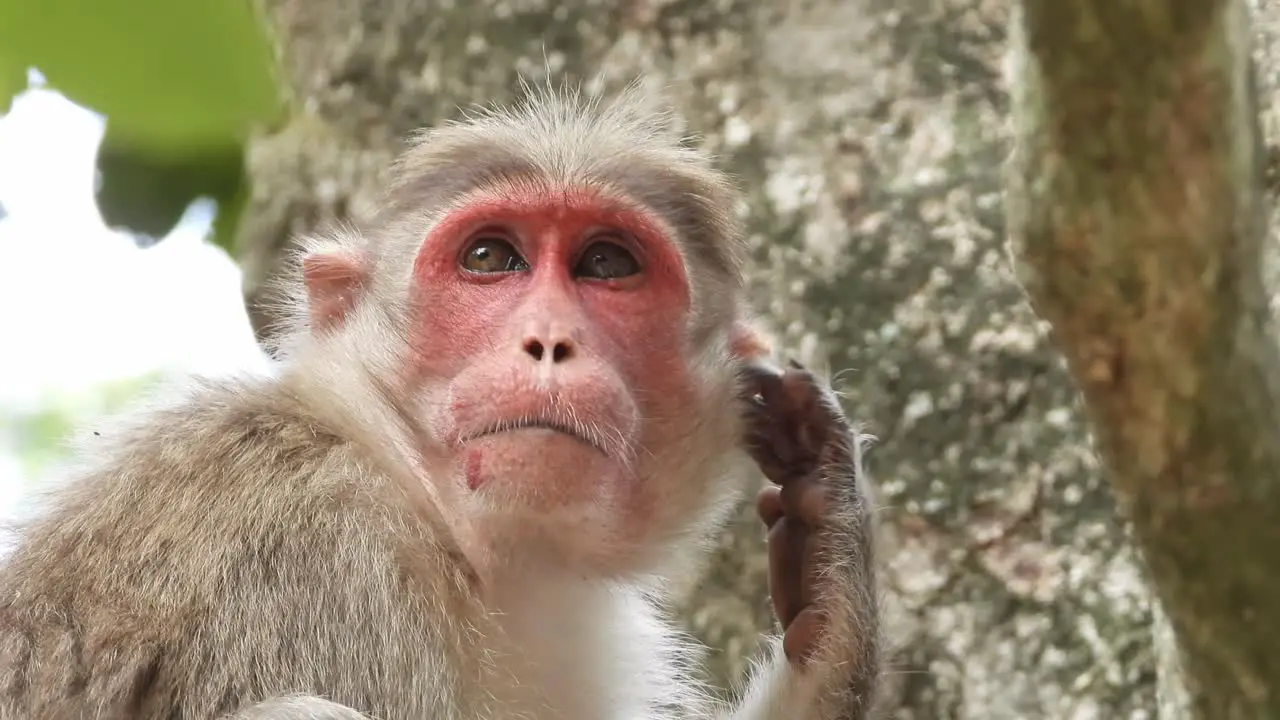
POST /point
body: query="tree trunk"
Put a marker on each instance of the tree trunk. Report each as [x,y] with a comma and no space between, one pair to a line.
[1136,201]
[869,136]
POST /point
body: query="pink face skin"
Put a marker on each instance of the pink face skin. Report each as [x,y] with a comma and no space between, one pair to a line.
[532,332]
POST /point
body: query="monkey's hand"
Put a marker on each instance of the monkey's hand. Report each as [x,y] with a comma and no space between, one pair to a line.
[821,551]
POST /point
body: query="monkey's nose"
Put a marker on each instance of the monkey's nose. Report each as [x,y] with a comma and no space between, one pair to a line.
[558,350]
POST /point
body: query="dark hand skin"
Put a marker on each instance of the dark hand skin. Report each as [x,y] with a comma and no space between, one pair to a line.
[798,434]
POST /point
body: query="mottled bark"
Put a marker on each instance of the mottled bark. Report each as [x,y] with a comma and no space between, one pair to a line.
[1136,202]
[868,135]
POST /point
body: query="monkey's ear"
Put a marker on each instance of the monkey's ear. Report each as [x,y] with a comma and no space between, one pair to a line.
[334,281]
[746,342]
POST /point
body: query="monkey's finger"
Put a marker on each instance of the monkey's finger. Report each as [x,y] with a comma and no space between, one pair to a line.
[769,505]
[763,421]
[786,542]
[801,639]
[776,472]
[813,400]
[813,561]
[773,450]
[778,469]
[764,381]
[808,425]
[806,500]
[759,368]
[815,418]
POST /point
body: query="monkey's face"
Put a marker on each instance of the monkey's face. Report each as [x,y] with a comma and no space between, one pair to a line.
[557,358]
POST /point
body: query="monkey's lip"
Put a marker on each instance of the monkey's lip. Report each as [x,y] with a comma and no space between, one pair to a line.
[509,426]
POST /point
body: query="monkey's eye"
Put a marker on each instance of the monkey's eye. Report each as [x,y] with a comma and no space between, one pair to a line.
[492,254]
[605,260]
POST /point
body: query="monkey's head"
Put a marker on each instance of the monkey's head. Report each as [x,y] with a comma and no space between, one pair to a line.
[555,293]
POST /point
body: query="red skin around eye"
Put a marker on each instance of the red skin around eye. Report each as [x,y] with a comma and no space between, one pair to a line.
[634,324]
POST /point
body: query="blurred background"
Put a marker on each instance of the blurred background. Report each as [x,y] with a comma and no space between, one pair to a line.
[91,315]
[157,157]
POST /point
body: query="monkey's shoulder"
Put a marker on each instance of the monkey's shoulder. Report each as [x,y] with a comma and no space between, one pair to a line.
[213,439]
[176,501]
[218,550]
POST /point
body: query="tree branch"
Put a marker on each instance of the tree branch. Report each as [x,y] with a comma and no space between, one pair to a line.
[1137,216]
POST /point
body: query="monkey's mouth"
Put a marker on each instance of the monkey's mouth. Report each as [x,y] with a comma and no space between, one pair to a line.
[507,426]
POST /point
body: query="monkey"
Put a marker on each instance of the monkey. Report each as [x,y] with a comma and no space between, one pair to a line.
[509,412]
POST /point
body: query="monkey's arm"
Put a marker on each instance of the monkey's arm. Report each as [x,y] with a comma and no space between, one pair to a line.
[821,555]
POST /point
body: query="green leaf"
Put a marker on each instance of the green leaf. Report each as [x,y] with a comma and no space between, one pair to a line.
[168,73]
[146,190]
[182,83]
[13,80]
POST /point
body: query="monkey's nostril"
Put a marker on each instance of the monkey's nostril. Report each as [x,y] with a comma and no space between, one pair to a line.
[534,348]
[560,351]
